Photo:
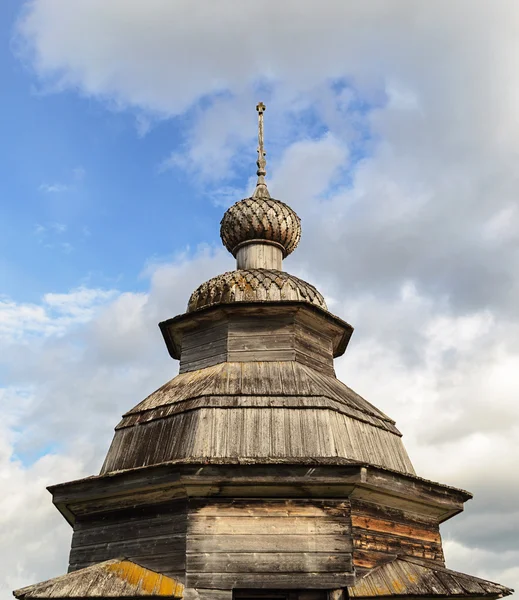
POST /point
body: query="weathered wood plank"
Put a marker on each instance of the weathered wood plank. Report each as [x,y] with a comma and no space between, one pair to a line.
[244,326]
[276,354]
[170,544]
[200,525]
[199,594]
[398,529]
[270,580]
[368,559]
[119,531]
[268,543]
[396,545]
[396,515]
[269,562]
[271,507]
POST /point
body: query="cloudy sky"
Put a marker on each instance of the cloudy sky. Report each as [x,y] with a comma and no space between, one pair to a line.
[392,128]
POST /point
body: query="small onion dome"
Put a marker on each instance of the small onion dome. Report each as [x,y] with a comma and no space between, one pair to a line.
[254,285]
[260,219]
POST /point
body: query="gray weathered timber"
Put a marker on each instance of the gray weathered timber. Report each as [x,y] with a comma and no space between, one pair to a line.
[407,577]
[379,531]
[254,433]
[302,311]
[259,256]
[153,536]
[252,338]
[246,410]
[207,594]
[233,479]
[254,285]
[298,580]
[257,380]
[272,537]
[110,579]
[264,219]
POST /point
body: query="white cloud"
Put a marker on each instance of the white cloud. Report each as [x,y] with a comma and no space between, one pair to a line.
[54,188]
[77,176]
[53,316]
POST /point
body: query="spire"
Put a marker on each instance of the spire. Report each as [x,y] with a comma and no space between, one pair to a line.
[261,190]
[260,231]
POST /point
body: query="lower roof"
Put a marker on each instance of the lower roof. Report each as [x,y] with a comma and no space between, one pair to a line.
[401,577]
[117,578]
[406,576]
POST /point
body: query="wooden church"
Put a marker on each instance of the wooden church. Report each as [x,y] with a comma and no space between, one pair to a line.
[255,473]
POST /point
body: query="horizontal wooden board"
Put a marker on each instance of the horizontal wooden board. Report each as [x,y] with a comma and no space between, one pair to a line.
[396,545]
[398,529]
[396,515]
[368,559]
[201,525]
[268,562]
[269,340]
[141,529]
[268,507]
[263,355]
[268,543]
[198,594]
[246,326]
[170,544]
[270,580]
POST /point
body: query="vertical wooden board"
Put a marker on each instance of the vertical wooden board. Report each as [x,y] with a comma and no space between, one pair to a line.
[278,433]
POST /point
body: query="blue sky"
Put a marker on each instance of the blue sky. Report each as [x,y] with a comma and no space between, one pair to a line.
[393,131]
[85,201]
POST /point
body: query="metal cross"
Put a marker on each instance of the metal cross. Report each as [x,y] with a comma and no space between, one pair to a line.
[262,162]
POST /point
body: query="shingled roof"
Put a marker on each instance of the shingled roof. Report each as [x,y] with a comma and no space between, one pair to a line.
[118,578]
[406,576]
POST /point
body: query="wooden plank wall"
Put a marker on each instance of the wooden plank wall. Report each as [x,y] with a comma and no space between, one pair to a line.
[204,347]
[154,537]
[254,543]
[256,338]
[313,348]
[261,339]
[380,531]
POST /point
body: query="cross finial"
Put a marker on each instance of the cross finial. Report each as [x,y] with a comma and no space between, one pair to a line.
[261,187]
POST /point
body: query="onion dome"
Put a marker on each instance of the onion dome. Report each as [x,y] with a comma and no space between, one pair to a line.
[260,220]
[254,285]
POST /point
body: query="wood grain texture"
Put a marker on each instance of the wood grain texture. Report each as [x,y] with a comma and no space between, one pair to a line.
[200,594]
[259,256]
[301,310]
[255,338]
[271,580]
[405,577]
[256,410]
[276,379]
[254,285]
[154,536]
[268,542]
[108,579]
[380,532]
[256,432]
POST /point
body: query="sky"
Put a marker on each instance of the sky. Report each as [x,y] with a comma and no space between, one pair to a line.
[392,128]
